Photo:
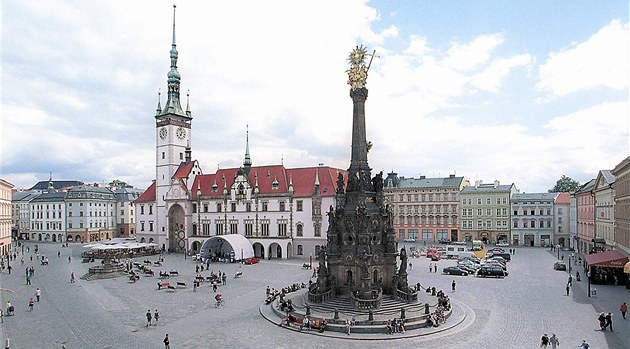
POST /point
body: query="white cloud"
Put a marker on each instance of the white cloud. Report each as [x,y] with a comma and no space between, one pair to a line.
[600,61]
[467,56]
[497,70]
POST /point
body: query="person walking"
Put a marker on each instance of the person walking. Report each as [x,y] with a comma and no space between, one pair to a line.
[156,316]
[453,285]
[568,288]
[553,340]
[148,317]
[570,282]
[544,341]
[69,259]
[430,267]
[584,344]
[623,309]
[30,304]
[435,268]
[609,322]
[72,277]
[38,293]
[167,342]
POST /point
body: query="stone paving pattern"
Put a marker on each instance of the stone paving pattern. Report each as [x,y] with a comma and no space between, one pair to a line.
[501,313]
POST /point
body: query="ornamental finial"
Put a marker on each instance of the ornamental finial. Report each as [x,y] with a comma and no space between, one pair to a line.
[357,74]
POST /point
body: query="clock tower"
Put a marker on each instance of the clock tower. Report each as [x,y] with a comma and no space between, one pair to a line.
[173,136]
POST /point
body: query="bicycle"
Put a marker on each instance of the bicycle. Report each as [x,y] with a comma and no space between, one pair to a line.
[219,302]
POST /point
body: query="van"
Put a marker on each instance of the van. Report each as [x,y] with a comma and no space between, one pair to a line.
[464,254]
[453,251]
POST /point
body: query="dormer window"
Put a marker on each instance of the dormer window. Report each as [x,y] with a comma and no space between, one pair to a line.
[275,184]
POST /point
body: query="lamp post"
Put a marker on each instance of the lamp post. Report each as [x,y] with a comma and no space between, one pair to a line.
[569,265]
[310,261]
[588,276]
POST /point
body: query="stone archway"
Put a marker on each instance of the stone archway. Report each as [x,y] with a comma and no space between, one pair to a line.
[54,238]
[259,250]
[289,250]
[142,240]
[78,239]
[196,245]
[275,251]
[176,232]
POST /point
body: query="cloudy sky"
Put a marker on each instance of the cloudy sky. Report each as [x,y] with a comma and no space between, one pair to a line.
[517,91]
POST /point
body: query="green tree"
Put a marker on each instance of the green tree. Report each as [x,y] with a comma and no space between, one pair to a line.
[565,184]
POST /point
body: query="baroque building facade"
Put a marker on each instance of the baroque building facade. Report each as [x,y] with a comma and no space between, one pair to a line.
[622,205]
[533,218]
[425,209]
[604,195]
[485,212]
[562,220]
[585,207]
[5,217]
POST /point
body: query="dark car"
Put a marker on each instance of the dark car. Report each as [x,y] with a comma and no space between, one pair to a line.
[470,268]
[444,241]
[492,270]
[560,266]
[454,271]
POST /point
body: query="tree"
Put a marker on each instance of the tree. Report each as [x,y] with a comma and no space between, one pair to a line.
[565,184]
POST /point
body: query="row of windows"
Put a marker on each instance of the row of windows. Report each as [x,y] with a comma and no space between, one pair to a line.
[532,212]
[500,212]
[532,224]
[481,224]
[422,220]
[248,206]
[427,197]
[428,208]
[479,201]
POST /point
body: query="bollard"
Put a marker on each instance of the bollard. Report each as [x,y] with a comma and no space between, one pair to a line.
[336,317]
[308,310]
[371,315]
[426,308]
[7,344]
[402,313]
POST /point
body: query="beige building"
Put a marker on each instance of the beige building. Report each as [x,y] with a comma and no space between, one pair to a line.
[425,209]
[605,207]
[5,217]
[485,212]
[622,205]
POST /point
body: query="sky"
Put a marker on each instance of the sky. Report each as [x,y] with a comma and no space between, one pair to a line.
[521,92]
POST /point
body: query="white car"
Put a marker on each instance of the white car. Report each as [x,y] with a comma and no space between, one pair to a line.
[503,244]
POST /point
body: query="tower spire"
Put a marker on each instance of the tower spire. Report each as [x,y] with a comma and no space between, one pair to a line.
[173,104]
[247,163]
[159,106]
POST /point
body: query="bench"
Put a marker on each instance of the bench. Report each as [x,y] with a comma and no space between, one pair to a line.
[86,260]
[171,288]
[161,285]
[164,275]
[173,272]
[181,284]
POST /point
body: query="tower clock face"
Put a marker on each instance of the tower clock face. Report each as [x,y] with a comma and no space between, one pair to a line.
[180,133]
[163,132]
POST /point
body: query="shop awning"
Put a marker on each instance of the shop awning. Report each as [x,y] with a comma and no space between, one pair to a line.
[611,259]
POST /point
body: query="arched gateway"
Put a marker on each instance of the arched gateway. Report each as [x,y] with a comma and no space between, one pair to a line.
[231,247]
[176,234]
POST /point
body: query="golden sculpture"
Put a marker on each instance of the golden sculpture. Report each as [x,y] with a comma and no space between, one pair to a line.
[357,74]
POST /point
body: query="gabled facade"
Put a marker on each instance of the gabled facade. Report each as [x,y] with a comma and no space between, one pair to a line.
[485,212]
[425,209]
[604,195]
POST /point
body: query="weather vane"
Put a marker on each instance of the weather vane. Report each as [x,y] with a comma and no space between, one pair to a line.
[357,74]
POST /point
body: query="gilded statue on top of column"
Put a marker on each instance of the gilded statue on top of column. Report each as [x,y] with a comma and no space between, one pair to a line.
[357,74]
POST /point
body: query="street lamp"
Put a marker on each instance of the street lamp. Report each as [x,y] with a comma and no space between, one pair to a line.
[569,265]
[588,276]
[310,261]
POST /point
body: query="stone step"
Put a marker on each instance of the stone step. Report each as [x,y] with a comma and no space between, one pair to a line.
[389,306]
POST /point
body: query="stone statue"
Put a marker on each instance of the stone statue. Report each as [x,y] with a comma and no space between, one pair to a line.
[403,262]
[363,263]
[340,183]
[322,262]
[377,182]
[331,219]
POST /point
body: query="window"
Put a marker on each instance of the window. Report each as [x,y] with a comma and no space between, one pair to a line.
[249,227]
[299,205]
[219,207]
[532,212]
[488,201]
[401,234]
[181,156]
[70,225]
[479,201]
[489,224]
[498,201]
[248,207]
[548,212]
[479,211]
[489,212]
[150,226]
[413,234]
[218,226]
[205,207]
[233,226]
[163,155]
[282,227]
[69,213]
[233,206]
[317,230]
[282,205]
[264,227]
[515,225]
[300,250]
[442,234]
[548,224]
[427,234]
[205,227]
[299,229]
[194,208]
[559,210]
[559,220]
[141,226]
[265,206]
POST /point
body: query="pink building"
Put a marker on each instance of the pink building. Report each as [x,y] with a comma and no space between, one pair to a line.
[585,202]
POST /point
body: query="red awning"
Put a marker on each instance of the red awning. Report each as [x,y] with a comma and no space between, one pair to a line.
[611,259]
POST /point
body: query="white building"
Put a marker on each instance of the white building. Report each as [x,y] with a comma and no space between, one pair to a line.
[278,209]
[605,207]
[562,220]
[125,211]
[48,216]
[91,213]
[21,213]
[533,218]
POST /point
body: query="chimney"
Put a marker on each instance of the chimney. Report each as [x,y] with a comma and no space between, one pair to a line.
[423,177]
[496,183]
[451,176]
[478,183]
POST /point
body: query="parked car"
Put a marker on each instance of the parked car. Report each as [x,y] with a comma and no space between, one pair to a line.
[252,260]
[492,270]
[560,266]
[409,240]
[503,244]
[444,241]
[470,268]
[495,263]
[455,271]
[459,242]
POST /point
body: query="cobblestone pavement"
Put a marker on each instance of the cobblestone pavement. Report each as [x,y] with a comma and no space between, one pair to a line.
[506,313]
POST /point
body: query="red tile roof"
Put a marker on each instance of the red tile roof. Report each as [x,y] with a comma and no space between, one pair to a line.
[563,198]
[303,180]
[148,195]
[184,170]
